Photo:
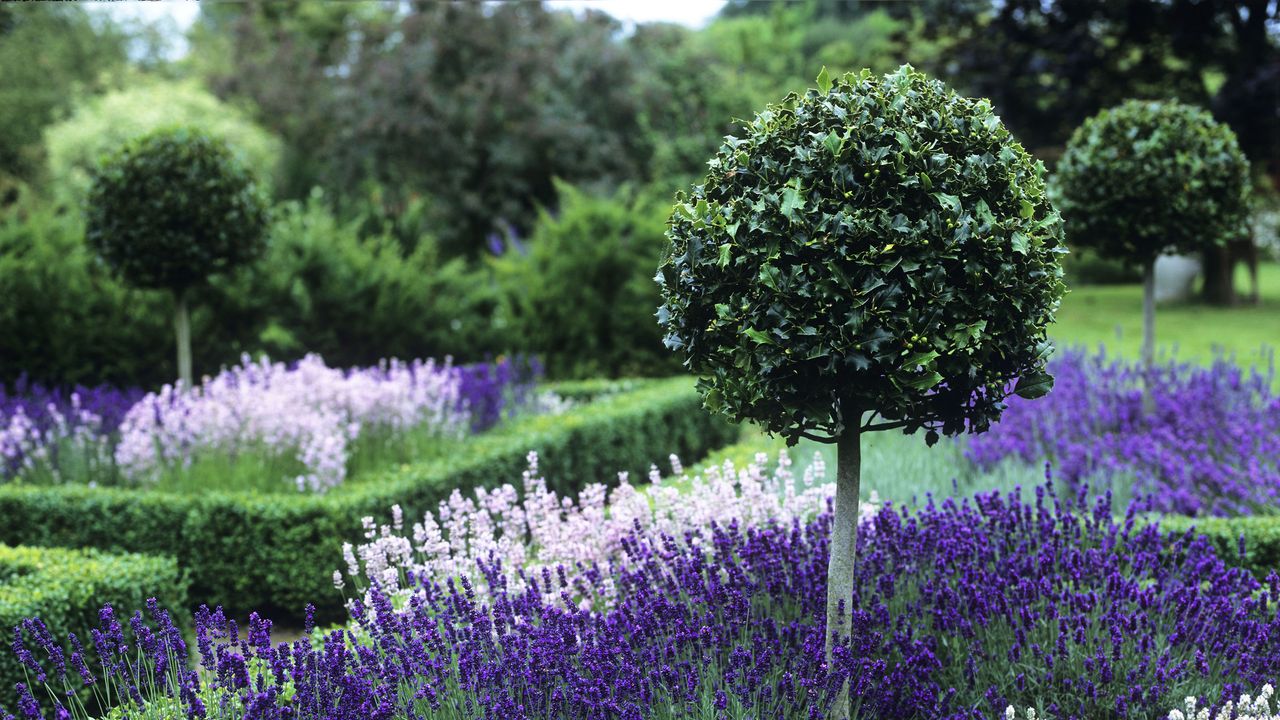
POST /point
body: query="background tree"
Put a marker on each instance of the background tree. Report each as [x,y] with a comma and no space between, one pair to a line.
[481,106]
[171,208]
[876,254]
[1146,178]
[49,54]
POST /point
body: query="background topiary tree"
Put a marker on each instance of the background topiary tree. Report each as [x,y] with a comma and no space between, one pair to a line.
[876,254]
[1146,178]
[171,208]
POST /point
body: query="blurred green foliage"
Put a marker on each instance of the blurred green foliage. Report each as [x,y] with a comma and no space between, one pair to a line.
[1146,178]
[49,54]
[580,291]
[103,123]
[355,298]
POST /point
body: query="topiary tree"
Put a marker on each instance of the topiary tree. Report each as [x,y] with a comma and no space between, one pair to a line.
[1146,178]
[171,208]
[875,254]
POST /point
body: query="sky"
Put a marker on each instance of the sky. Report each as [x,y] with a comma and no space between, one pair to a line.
[182,13]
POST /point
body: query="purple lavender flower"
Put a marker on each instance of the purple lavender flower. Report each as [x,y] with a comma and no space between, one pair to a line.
[959,609]
[1209,447]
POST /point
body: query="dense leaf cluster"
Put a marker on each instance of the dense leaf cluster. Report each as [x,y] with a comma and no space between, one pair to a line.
[878,244]
[173,206]
[1149,177]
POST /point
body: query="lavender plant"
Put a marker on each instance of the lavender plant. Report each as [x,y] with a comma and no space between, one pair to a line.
[259,423]
[1207,448]
[533,529]
[960,610]
[48,435]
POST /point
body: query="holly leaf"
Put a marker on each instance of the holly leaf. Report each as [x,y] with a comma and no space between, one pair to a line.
[791,200]
[925,382]
[1034,385]
[950,202]
[824,81]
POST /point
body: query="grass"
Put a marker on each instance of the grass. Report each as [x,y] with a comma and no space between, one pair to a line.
[899,468]
[1111,315]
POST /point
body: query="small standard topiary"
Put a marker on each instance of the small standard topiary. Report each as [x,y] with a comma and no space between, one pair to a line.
[171,208]
[1146,178]
[875,254]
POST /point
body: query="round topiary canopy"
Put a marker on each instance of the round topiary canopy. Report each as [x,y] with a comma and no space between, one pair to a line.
[878,244]
[1148,177]
[172,207]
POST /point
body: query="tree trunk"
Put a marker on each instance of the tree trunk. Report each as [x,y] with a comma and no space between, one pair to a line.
[182,331]
[844,547]
[1148,330]
[1219,285]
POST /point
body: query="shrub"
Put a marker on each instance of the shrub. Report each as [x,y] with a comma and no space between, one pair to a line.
[1145,178]
[326,287]
[247,550]
[63,321]
[875,247]
[580,292]
[169,209]
[101,124]
[1207,448]
[65,588]
[960,610]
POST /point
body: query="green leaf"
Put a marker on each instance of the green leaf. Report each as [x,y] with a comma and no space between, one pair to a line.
[925,382]
[1034,385]
[950,202]
[791,200]
[1021,244]
[769,276]
[724,255]
[1027,209]
[983,212]
[759,336]
[834,143]
[824,81]
[921,358]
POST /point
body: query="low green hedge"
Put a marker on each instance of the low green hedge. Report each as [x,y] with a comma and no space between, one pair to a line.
[587,390]
[1261,535]
[66,588]
[276,553]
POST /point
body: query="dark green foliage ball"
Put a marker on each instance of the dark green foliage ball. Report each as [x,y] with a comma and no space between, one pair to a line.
[172,207]
[879,244]
[1149,177]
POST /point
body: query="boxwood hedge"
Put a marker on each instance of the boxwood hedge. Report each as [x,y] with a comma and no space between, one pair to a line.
[276,553]
[65,588]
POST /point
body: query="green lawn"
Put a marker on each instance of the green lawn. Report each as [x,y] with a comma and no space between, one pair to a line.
[1112,316]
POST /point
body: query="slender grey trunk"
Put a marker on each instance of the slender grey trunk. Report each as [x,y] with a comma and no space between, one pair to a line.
[1148,330]
[844,547]
[182,331]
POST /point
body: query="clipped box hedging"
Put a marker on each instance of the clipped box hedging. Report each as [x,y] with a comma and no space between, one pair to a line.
[276,553]
[1261,534]
[65,588]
